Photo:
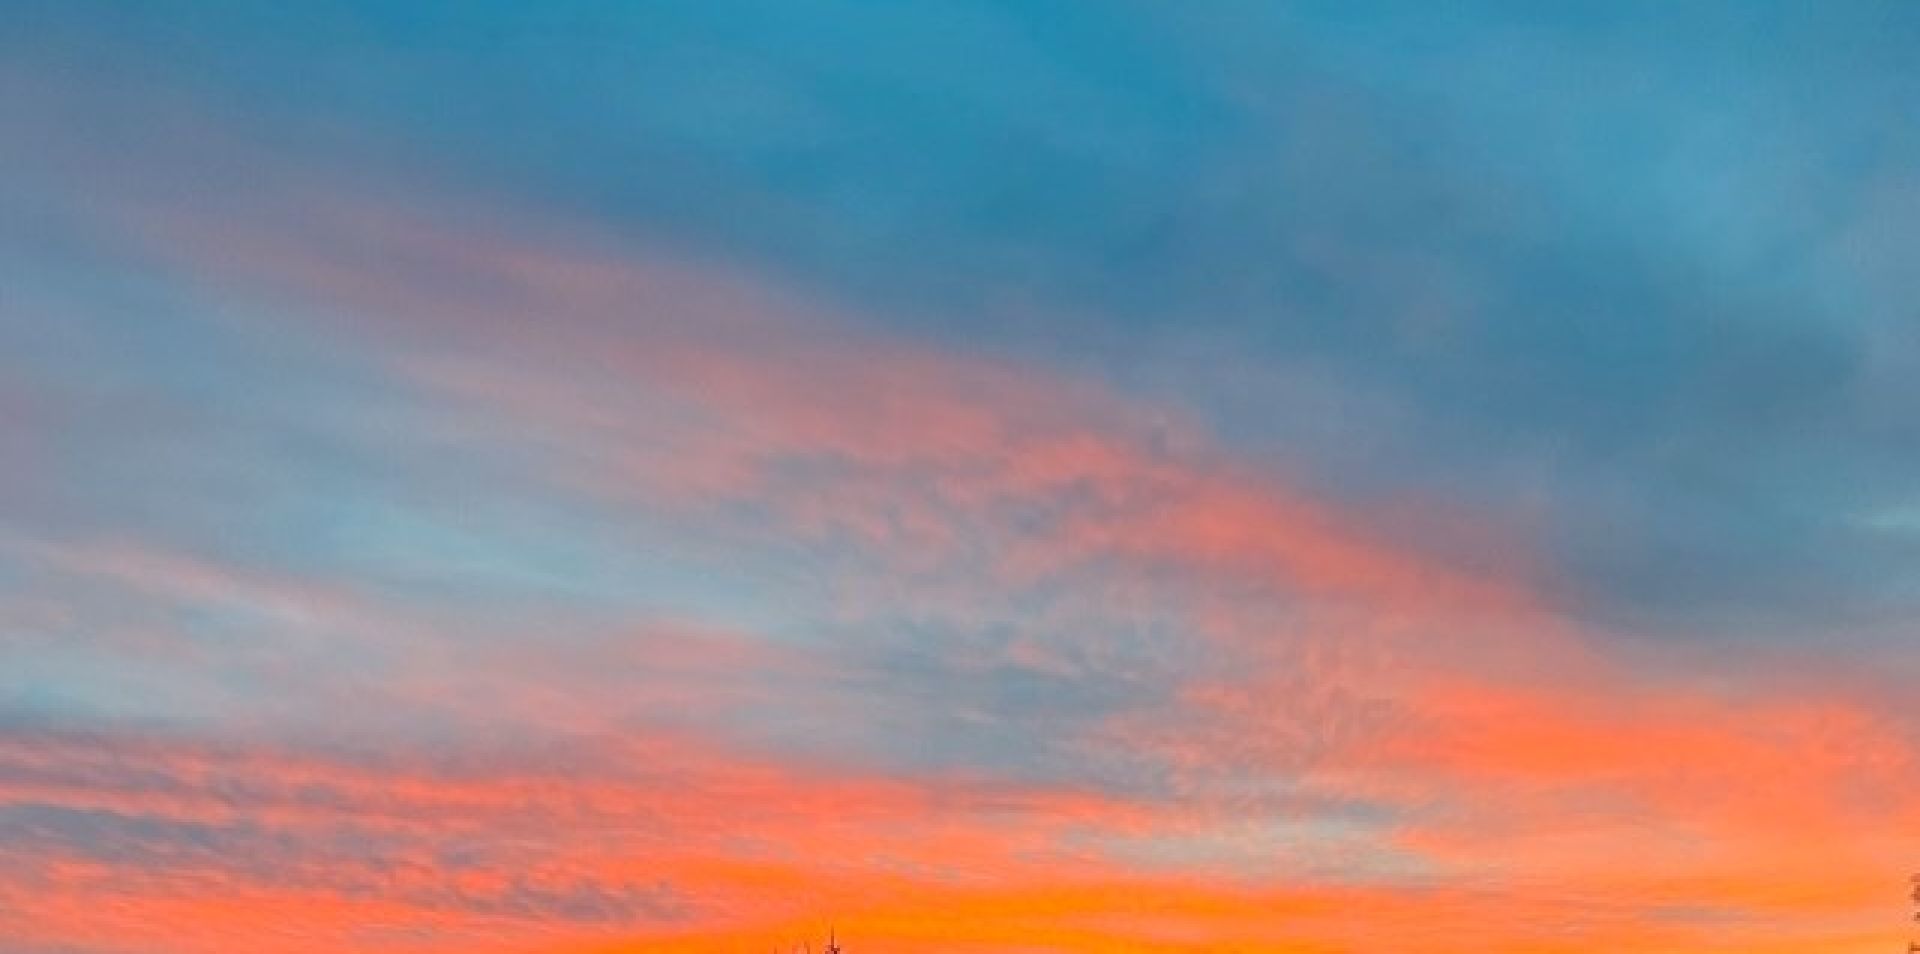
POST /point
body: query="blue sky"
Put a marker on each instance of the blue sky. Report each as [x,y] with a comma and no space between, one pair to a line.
[1226,413]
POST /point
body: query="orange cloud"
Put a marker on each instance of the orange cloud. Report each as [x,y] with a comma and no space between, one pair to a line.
[1518,790]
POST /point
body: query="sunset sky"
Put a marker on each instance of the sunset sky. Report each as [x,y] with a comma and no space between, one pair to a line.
[1030,476]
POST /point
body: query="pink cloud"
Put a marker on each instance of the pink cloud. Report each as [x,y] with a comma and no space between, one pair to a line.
[1524,771]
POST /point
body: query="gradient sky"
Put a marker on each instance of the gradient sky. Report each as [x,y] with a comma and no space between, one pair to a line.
[1025,476]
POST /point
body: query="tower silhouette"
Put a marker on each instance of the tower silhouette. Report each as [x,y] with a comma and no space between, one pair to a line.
[1913,947]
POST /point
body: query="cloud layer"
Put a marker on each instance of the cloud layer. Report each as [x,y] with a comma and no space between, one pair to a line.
[993,480]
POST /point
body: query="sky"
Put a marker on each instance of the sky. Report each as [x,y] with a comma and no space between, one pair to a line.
[1025,476]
